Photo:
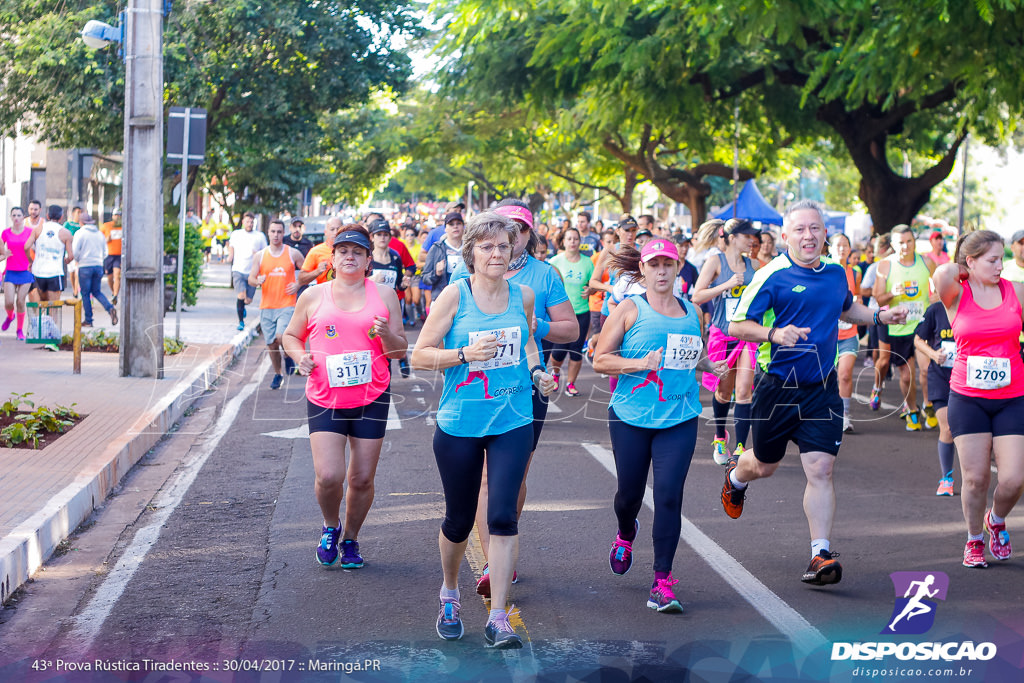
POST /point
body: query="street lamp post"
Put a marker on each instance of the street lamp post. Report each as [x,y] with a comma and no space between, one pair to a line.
[469,197]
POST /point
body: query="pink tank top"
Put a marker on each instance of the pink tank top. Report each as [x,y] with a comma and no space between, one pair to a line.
[351,369]
[987,347]
[17,259]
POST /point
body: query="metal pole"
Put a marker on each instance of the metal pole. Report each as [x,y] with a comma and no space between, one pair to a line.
[142,321]
[963,191]
[182,196]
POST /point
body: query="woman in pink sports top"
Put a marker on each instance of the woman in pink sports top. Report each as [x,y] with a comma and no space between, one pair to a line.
[353,326]
[18,278]
[986,399]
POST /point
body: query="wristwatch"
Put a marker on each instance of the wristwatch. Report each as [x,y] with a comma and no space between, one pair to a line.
[462,355]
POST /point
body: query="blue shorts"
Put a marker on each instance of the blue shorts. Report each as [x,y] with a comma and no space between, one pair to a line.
[849,346]
[19,277]
[810,415]
[273,322]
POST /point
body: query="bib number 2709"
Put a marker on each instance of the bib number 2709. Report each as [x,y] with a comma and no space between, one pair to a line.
[988,373]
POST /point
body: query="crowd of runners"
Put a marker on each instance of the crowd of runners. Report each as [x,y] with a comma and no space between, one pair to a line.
[510,308]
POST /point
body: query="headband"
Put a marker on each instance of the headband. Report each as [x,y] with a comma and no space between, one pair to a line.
[516,213]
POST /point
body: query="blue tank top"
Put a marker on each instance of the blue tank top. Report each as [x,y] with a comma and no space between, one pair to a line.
[542,278]
[481,399]
[669,395]
[726,304]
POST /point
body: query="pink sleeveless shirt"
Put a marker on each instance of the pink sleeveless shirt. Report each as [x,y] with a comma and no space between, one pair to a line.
[987,334]
[351,369]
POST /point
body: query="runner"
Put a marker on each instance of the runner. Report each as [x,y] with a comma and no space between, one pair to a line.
[555,322]
[849,343]
[73,223]
[90,246]
[652,415]
[597,301]
[273,271]
[52,244]
[353,326]
[18,277]
[484,413]
[242,246]
[986,398]
[722,281]
[934,338]
[902,278]
[113,230]
[576,271]
[790,308]
[318,264]
[603,279]
[386,264]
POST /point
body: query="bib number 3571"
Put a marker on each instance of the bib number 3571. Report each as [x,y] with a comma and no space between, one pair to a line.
[682,351]
[988,373]
[349,369]
[510,346]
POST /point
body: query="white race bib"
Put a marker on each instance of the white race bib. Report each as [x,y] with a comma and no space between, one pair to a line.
[453,261]
[731,304]
[915,311]
[386,277]
[682,351]
[510,346]
[349,369]
[948,347]
[988,373]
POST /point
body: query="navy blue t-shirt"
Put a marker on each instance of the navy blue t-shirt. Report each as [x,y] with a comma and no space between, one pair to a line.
[783,293]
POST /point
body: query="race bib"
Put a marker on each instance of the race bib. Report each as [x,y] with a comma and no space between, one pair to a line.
[843,325]
[915,311]
[453,261]
[731,304]
[682,351]
[349,369]
[948,348]
[115,235]
[386,277]
[510,345]
[988,373]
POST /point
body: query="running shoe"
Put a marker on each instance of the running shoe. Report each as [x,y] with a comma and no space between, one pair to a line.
[732,497]
[7,323]
[876,399]
[720,450]
[571,390]
[483,584]
[824,569]
[350,557]
[21,335]
[998,539]
[945,487]
[114,300]
[449,623]
[403,367]
[327,551]
[621,557]
[974,554]
[847,423]
[662,598]
[904,410]
[737,452]
[276,382]
[113,315]
[87,323]
[931,421]
[913,422]
[869,362]
[241,325]
[555,376]
[501,635]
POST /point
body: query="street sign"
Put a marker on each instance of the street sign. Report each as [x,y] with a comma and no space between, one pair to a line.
[195,131]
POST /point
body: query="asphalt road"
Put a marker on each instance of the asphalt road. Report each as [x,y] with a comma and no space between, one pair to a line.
[207,555]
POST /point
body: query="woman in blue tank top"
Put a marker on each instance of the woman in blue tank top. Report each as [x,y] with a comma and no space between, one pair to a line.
[653,344]
[478,333]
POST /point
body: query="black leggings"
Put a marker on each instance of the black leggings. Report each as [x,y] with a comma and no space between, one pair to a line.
[574,349]
[460,460]
[669,451]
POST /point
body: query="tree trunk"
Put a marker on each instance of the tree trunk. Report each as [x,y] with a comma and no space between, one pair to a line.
[630,181]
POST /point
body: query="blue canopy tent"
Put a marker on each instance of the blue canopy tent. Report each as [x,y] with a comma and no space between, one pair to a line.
[752,206]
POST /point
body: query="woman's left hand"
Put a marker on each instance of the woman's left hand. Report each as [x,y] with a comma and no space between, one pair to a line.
[380,327]
[545,382]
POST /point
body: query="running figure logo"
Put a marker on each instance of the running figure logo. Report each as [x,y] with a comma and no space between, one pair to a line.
[914,611]
[652,378]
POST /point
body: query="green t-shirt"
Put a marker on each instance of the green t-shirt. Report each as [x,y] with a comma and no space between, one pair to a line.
[72,227]
[576,276]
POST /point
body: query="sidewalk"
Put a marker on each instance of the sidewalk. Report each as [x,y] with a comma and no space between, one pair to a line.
[45,494]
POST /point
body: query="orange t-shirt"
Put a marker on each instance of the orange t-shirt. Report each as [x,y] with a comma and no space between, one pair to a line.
[113,238]
[279,271]
[317,255]
[597,298]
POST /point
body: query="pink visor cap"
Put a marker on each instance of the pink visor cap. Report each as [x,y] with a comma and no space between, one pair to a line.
[659,247]
[516,213]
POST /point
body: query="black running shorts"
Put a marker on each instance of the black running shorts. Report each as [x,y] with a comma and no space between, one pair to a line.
[810,415]
[995,416]
[901,349]
[363,422]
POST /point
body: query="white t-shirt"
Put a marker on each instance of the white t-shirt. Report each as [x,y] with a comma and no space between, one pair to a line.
[49,261]
[245,245]
[626,287]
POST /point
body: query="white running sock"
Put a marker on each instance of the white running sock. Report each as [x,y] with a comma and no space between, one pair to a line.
[735,482]
[975,537]
[449,592]
[994,518]
[496,615]
[819,544]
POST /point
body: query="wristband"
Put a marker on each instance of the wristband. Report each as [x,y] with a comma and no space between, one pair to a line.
[771,335]
[462,355]
[543,327]
[877,317]
[534,370]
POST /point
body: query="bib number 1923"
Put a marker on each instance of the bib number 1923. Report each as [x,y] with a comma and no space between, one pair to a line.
[349,369]
[682,351]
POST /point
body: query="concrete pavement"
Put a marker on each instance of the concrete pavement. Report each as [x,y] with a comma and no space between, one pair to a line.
[46,493]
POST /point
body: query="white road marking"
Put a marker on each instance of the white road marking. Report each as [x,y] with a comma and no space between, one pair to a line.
[553,408]
[774,609]
[88,623]
[300,432]
[393,421]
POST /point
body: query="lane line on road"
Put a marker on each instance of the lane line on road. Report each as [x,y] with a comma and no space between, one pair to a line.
[393,421]
[774,609]
[91,619]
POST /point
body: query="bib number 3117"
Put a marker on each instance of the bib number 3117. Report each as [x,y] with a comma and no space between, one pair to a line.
[349,369]
[988,373]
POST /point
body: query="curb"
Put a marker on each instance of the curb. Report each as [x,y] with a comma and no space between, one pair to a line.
[31,543]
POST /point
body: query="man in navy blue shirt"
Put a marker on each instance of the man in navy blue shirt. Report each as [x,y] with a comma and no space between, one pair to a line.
[791,308]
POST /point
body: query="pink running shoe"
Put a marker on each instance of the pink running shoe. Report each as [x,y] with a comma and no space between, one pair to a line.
[662,598]
[974,554]
[621,557]
[998,539]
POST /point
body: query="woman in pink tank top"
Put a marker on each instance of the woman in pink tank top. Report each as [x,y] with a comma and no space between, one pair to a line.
[353,326]
[986,399]
[18,276]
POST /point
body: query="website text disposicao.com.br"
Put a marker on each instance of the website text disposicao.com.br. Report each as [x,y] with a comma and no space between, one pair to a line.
[948,672]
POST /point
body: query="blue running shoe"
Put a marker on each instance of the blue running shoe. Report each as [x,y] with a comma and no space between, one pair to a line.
[350,557]
[449,623]
[501,635]
[327,551]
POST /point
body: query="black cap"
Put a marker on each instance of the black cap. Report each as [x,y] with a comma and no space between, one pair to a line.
[352,237]
[743,227]
[453,216]
[380,225]
[644,232]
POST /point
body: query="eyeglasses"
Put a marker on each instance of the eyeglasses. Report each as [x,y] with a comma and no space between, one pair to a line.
[489,248]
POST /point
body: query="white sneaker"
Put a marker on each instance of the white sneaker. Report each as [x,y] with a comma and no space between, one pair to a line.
[847,423]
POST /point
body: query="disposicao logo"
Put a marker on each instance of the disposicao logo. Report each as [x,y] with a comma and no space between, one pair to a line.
[914,613]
